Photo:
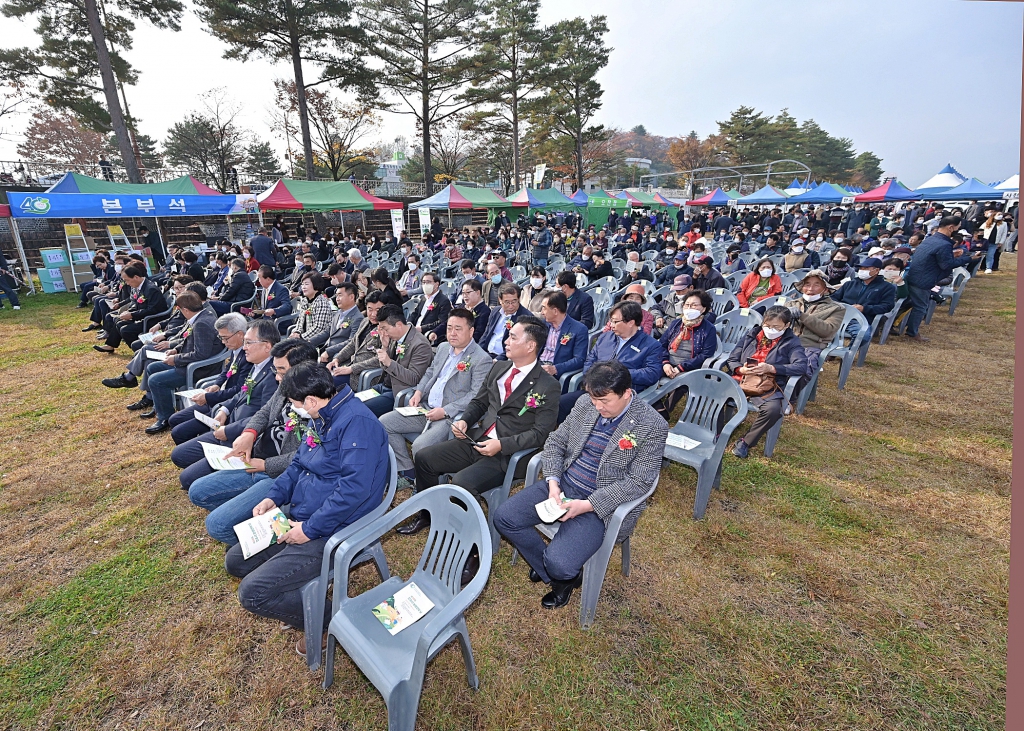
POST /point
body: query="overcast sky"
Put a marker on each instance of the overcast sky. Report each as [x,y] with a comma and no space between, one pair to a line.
[918,82]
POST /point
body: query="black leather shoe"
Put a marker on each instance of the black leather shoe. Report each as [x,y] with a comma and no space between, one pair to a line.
[148,414]
[162,425]
[92,326]
[410,529]
[534,577]
[143,403]
[121,382]
[561,592]
[471,568]
[103,348]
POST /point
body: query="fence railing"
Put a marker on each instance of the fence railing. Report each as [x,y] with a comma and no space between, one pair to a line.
[44,172]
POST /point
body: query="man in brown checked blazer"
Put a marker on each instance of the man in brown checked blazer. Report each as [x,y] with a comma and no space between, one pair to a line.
[517,408]
[607,452]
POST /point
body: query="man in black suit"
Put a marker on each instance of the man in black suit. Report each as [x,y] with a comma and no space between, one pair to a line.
[239,288]
[517,407]
[264,248]
[502,318]
[472,297]
[144,299]
[581,304]
[431,315]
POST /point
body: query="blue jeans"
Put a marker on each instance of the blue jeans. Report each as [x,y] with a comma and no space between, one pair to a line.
[162,379]
[920,298]
[230,496]
[382,404]
[990,255]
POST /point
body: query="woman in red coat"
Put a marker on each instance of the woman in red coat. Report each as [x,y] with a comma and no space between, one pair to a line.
[760,284]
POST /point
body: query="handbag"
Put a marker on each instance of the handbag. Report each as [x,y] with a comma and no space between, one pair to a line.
[758,385]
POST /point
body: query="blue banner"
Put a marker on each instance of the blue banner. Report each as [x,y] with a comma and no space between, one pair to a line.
[87,205]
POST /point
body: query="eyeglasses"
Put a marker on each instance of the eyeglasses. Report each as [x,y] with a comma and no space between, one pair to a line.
[615,322]
[225,339]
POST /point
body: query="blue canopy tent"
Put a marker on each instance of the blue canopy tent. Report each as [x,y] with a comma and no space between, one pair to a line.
[972,190]
[824,193]
[580,197]
[768,195]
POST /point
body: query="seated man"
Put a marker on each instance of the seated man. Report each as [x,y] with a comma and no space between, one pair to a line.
[233,375]
[431,315]
[565,349]
[272,299]
[705,276]
[490,291]
[517,407]
[583,262]
[678,267]
[347,362]
[238,288]
[338,475]
[404,355]
[869,294]
[144,299]
[344,322]
[502,319]
[266,441]
[594,479]
[627,344]
[456,374]
[473,300]
[580,304]
[816,317]
[254,393]
[199,342]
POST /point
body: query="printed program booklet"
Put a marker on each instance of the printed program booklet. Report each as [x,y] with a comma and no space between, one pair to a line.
[189,394]
[399,611]
[156,355]
[410,410]
[146,338]
[550,511]
[678,440]
[208,420]
[261,531]
[216,457]
[367,394]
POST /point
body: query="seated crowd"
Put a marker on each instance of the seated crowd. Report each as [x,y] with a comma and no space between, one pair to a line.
[307,366]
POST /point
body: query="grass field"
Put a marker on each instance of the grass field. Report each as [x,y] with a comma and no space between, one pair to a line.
[858,580]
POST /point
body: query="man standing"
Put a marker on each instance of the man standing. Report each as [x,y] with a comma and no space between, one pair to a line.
[606,453]
[933,261]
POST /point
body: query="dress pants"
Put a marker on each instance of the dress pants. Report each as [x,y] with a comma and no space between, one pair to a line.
[272,580]
[472,470]
[920,298]
[221,308]
[230,496]
[404,429]
[576,541]
[185,426]
[382,404]
[127,332]
[192,460]
[100,308]
[162,379]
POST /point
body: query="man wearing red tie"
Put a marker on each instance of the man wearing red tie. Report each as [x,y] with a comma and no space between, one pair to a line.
[517,407]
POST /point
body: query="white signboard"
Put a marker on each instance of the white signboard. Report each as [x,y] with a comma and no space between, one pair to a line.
[54,257]
[1010,195]
[538,173]
[397,222]
[848,200]
[424,220]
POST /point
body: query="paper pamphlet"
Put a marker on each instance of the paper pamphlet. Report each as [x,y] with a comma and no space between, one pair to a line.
[367,394]
[146,338]
[204,419]
[215,456]
[410,410]
[550,511]
[189,394]
[261,531]
[156,355]
[399,611]
[678,440]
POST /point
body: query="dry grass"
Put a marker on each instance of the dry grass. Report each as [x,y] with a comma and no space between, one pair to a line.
[856,581]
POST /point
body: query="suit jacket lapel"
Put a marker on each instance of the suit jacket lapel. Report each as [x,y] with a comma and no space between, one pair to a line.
[627,424]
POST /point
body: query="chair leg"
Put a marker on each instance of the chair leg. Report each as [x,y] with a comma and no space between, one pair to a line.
[931,311]
[625,557]
[403,704]
[313,598]
[705,481]
[845,367]
[771,437]
[594,571]
[462,633]
[329,661]
[376,551]
[718,476]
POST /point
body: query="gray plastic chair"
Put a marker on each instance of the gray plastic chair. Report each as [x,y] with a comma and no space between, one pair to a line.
[722,300]
[889,321]
[596,567]
[708,393]
[772,437]
[192,368]
[395,664]
[314,593]
[731,327]
[951,292]
[735,279]
[236,306]
[881,322]
[283,322]
[368,378]
[497,496]
[848,353]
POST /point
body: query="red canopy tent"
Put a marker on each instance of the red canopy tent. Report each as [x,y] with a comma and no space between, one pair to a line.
[5,211]
[893,190]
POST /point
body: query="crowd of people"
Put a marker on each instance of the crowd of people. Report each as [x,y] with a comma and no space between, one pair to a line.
[498,340]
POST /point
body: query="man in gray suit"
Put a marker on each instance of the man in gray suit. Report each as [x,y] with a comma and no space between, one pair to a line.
[345,321]
[607,452]
[453,378]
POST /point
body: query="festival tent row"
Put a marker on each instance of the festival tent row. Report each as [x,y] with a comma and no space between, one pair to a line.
[824,193]
[717,197]
[546,198]
[320,196]
[969,190]
[1011,183]
[890,192]
[768,195]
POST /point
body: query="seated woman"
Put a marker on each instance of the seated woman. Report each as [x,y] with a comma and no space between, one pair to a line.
[381,281]
[772,348]
[839,268]
[532,296]
[760,284]
[688,341]
[314,309]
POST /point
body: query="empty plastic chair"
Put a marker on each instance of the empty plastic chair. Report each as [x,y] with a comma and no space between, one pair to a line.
[722,300]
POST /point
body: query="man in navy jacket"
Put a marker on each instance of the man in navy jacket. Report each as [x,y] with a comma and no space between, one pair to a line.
[264,248]
[272,298]
[627,343]
[568,340]
[869,293]
[933,261]
[580,304]
[338,475]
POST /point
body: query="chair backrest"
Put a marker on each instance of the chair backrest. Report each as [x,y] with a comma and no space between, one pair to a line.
[708,392]
[519,272]
[762,306]
[450,288]
[735,279]
[410,304]
[649,255]
[601,296]
[722,300]
[748,257]
[734,324]
[453,531]
[850,315]
[777,259]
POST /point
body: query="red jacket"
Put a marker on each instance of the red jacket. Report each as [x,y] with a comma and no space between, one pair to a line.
[750,282]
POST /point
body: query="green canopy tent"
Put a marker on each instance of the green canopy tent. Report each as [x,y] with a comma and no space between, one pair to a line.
[600,204]
[460,197]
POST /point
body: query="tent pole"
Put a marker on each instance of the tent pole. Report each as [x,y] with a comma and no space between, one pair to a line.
[21,253]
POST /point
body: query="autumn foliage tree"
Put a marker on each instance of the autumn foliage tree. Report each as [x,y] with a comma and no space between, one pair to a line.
[60,137]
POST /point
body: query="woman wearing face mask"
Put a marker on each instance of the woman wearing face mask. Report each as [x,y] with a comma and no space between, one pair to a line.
[314,313]
[687,343]
[760,284]
[251,263]
[533,293]
[839,268]
[732,262]
[768,349]
[383,283]
[892,272]
[994,231]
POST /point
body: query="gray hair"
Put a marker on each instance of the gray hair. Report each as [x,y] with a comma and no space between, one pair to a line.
[233,322]
[355,253]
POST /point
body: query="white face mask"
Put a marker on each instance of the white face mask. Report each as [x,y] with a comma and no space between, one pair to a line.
[820,239]
[586,257]
[765,272]
[496,279]
[890,273]
[405,249]
[301,412]
[691,314]
[298,262]
[812,297]
[798,249]
[412,266]
[428,288]
[839,239]
[771,333]
[536,282]
[863,274]
[118,268]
